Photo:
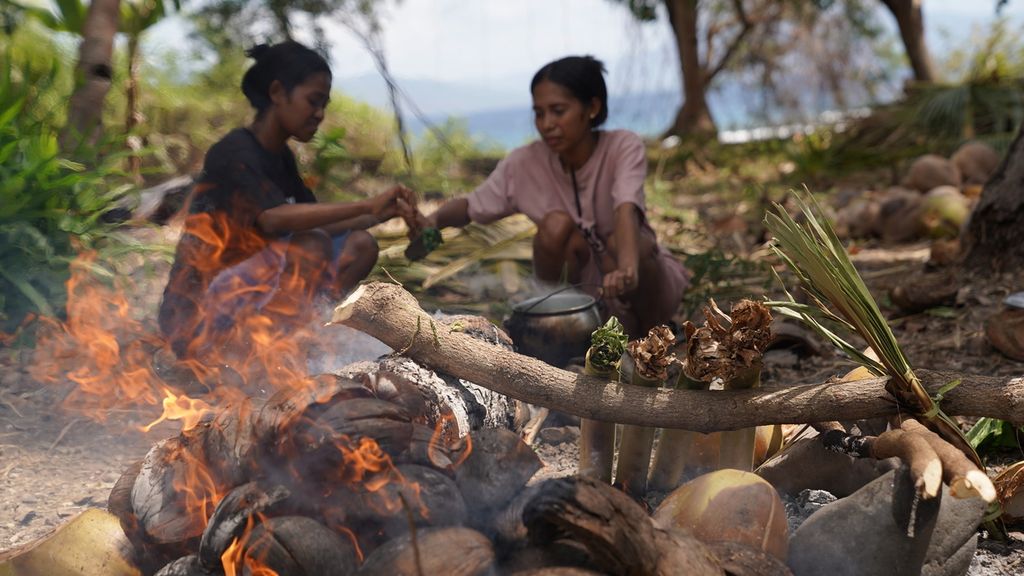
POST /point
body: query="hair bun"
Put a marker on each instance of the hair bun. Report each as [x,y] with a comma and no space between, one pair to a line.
[258,51]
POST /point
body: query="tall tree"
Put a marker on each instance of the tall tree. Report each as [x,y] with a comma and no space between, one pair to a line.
[694,116]
[910,20]
[94,74]
[717,36]
[137,16]
[728,24]
[768,37]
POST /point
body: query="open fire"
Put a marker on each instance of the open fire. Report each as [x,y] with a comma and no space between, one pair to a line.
[248,412]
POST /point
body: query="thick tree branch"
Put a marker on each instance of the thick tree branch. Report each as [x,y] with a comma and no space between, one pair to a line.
[392,315]
[710,71]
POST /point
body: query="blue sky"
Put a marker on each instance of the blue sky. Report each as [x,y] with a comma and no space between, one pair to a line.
[496,45]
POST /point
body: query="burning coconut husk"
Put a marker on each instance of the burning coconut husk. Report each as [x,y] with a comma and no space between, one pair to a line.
[617,535]
[342,460]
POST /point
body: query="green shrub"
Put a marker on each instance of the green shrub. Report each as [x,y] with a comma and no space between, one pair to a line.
[50,207]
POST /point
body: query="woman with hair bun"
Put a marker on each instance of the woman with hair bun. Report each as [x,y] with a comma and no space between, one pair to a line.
[584,189]
[255,235]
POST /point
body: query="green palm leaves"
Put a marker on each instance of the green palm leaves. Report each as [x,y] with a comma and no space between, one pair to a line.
[818,259]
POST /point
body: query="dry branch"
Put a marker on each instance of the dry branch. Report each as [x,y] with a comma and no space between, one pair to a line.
[392,315]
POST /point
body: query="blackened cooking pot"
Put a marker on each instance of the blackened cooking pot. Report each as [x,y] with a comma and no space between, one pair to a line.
[555,328]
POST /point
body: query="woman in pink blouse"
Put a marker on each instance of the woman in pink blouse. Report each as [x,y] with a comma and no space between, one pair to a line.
[584,188]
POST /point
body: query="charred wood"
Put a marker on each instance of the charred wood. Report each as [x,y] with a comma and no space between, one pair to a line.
[497,468]
[187,566]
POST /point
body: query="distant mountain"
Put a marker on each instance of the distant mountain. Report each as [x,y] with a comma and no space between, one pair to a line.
[647,114]
[435,98]
[503,117]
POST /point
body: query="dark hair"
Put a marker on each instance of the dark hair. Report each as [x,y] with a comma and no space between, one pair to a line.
[290,63]
[581,75]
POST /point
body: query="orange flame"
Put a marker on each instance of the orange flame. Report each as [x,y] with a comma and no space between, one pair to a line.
[445,434]
[236,561]
[116,361]
[189,410]
[101,348]
[200,490]
[268,345]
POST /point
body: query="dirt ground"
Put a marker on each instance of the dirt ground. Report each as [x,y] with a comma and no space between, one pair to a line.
[54,464]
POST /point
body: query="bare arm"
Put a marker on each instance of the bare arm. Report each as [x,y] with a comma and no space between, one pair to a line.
[363,222]
[624,278]
[306,216]
[454,212]
[335,217]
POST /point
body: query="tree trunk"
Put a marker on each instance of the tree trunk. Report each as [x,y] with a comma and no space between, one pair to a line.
[910,20]
[93,76]
[132,116]
[393,316]
[694,117]
[994,241]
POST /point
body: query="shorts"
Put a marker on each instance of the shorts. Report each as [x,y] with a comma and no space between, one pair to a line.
[247,287]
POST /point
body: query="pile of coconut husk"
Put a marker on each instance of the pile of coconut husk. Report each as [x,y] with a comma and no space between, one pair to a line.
[933,201]
[356,476]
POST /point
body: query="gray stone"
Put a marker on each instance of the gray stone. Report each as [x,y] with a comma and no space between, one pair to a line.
[807,465]
[560,435]
[955,538]
[800,508]
[885,529]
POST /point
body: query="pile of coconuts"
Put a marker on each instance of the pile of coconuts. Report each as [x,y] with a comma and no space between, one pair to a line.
[933,201]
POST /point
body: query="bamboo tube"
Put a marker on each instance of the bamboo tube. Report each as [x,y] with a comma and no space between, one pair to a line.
[597,438]
[737,449]
[645,363]
[597,448]
[674,448]
[637,441]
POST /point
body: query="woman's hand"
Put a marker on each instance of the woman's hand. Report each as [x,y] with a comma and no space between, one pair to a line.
[395,202]
[416,222]
[620,282]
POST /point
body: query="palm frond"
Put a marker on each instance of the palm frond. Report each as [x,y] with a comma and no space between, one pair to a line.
[501,247]
[819,260]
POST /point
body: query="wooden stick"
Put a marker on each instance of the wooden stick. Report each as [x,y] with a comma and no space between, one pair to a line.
[916,452]
[389,313]
[964,478]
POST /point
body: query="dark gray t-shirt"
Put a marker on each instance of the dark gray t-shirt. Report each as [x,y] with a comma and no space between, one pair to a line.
[240,179]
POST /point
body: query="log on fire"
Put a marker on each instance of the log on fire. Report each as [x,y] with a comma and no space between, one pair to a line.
[389,313]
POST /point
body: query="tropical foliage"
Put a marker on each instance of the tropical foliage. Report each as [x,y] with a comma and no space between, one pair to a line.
[50,207]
